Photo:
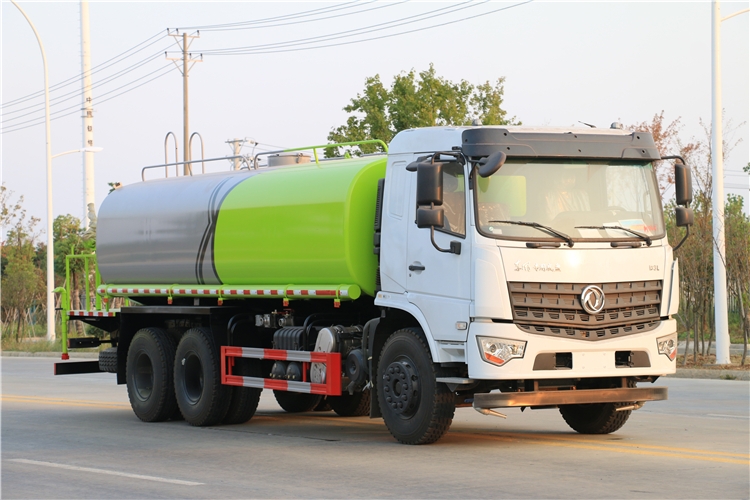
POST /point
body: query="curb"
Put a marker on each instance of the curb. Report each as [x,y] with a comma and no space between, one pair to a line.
[681,372]
[711,374]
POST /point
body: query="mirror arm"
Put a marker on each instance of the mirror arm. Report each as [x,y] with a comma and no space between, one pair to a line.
[674,157]
[687,233]
[455,245]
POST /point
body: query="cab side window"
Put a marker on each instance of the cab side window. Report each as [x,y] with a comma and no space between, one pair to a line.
[454,199]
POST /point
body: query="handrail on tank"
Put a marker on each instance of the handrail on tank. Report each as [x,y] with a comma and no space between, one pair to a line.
[315,149]
[143,170]
[166,155]
[190,148]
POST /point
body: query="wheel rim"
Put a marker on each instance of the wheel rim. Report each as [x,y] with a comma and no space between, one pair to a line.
[193,379]
[401,387]
[144,376]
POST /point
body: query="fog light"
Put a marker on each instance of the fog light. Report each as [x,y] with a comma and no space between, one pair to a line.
[500,351]
[668,346]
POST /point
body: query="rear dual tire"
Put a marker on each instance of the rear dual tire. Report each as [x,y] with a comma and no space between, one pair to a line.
[201,397]
[149,375]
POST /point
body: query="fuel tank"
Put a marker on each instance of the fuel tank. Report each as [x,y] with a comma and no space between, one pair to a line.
[305,224]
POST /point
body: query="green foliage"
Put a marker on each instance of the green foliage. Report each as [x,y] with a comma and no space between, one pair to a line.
[22,281]
[69,239]
[417,100]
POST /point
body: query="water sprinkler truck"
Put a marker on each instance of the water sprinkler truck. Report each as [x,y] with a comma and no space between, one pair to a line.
[485,266]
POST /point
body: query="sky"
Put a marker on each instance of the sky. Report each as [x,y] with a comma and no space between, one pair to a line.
[563,63]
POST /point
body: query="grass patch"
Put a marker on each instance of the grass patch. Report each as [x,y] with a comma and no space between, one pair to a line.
[709,362]
[33,344]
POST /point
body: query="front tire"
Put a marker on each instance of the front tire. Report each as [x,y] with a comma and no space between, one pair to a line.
[149,375]
[416,408]
[202,399]
[599,418]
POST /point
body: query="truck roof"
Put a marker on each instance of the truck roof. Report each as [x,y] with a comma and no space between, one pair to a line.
[529,141]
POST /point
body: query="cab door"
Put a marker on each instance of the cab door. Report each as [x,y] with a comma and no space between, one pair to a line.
[439,283]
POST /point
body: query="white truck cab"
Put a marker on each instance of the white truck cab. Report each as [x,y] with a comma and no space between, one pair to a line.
[553,267]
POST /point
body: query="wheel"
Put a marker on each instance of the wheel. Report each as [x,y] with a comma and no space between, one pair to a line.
[197,379]
[296,402]
[351,405]
[416,409]
[244,400]
[108,360]
[599,418]
[149,375]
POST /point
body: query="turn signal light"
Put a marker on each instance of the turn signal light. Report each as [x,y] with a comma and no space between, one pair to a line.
[668,346]
[500,351]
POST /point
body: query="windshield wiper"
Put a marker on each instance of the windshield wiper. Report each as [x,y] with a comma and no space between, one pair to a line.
[640,235]
[541,227]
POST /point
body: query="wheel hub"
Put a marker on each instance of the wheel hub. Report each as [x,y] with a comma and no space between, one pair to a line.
[401,388]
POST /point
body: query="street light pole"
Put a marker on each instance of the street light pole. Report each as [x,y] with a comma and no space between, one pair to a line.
[721,310]
[50,250]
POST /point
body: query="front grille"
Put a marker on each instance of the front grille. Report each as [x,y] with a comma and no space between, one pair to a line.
[555,309]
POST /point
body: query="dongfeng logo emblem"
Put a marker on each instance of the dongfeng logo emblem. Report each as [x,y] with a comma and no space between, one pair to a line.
[592,299]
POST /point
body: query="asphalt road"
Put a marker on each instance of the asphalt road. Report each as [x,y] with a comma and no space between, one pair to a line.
[76,437]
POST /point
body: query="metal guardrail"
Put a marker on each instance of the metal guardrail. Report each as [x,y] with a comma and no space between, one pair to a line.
[321,146]
[246,159]
[166,166]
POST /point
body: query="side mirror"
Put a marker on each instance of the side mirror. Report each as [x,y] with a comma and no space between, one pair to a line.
[683,216]
[430,217]
[683,185]
[429,183]
[492,164]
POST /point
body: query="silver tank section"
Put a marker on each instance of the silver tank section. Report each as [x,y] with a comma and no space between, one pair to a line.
[162,231]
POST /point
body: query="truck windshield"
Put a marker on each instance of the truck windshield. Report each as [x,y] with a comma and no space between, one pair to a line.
[567,195]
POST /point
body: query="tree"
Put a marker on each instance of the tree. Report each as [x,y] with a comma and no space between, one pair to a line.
[667,139]
[696,255]
[22,282]
[417,100]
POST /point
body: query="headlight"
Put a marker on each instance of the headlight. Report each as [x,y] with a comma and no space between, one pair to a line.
[500,351]
[668,346]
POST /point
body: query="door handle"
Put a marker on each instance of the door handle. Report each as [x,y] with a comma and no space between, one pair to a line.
[416,268]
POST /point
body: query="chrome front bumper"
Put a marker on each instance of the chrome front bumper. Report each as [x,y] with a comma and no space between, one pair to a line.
[569,397]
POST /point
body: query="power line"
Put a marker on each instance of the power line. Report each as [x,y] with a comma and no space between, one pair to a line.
[15,127]
[297,22]
[349,33]
[276,18]
[77,106]
[77,93]
[95,69]
[272,50]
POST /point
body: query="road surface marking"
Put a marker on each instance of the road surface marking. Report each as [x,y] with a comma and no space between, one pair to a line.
[728,416]
[12,398]
[103,471]
[610,446]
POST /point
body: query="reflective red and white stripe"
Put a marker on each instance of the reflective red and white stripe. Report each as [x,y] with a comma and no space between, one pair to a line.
[332,360]
[253,291]
[92,314]
[316,293]
[195,291]
[135,291]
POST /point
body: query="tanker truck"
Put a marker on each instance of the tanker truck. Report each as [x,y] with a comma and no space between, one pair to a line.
[485,266]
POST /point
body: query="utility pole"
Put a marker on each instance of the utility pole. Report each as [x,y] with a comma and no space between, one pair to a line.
[183,41]
[89,194]
[236,147]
